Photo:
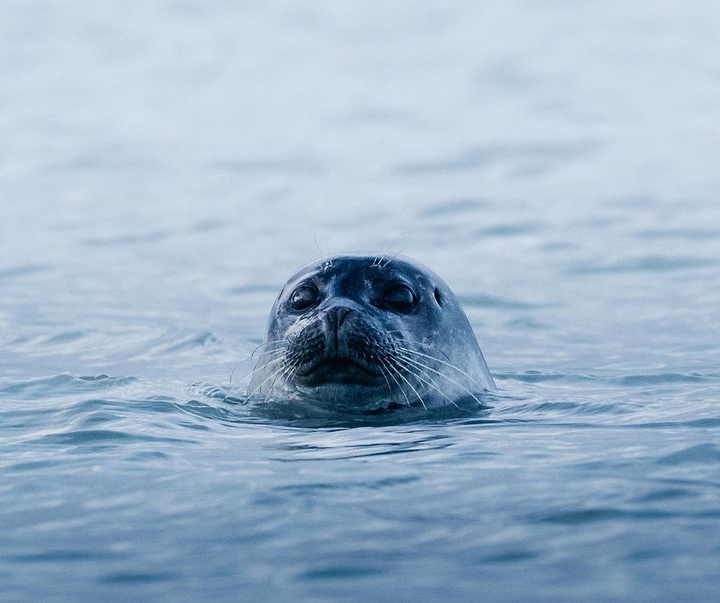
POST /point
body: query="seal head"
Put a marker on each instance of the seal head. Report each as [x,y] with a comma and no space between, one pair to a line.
[368,333]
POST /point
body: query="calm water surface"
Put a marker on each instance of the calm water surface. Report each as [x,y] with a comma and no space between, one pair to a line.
[165,166]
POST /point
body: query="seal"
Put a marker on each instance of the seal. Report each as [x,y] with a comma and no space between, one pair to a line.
[370,333]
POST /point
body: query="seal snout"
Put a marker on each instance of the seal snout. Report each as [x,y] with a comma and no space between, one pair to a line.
[341,348]
[337,314]
[334,319]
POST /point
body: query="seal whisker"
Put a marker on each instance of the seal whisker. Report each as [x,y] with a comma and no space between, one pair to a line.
[273,375]
[230,391]
[279,357]
[256,389]
[292,370]
[252,355]
[441,374]
[232,372]
[267,365]
[389,258]
[282,374]
[384,371]
[279,346]
[372,359]
[448,364]
[406,380]
[269,346]
[421,375]
[419,397]
[268,354]
[250,394]
[392,373]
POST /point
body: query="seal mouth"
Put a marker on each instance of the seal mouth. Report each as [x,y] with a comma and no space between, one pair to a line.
[340,370]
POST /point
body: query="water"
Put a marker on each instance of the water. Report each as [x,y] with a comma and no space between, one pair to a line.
[165,166]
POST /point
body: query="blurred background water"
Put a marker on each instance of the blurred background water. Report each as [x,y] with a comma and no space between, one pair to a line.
[166,165]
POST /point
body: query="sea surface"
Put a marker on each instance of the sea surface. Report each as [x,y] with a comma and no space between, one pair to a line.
[165,166]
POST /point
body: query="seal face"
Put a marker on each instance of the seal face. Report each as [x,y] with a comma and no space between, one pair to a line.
[369,332]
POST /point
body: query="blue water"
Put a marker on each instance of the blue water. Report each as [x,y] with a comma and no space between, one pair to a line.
[165,166]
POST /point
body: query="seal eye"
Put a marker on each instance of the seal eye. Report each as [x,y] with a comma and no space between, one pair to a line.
[399,297]
[303,297]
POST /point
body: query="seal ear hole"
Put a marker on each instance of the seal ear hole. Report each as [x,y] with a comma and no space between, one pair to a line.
[439,298]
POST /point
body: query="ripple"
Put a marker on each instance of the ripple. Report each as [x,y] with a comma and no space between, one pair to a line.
[63,384]
[581,516]
[539,156]
[20,271]
[55,555]
[342,572]
[204,410]
[692,234]
[489,301]
[666,494]
[538,377]
[129,578]
[511,557]
[659,379]
[293,165]
[633,380]
[571,408]
[651,263]
[342,445]
[453,208]
[130,238]
[32,467]
[93,436]
[601,514]
[700,454]
[65,337]
[204,339]
[308,415]
[509,229]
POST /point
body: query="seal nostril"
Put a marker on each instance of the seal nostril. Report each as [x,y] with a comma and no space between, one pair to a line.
[341,315]
[438,297]
[336,316]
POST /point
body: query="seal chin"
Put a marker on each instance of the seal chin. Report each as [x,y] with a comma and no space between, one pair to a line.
[346,395]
